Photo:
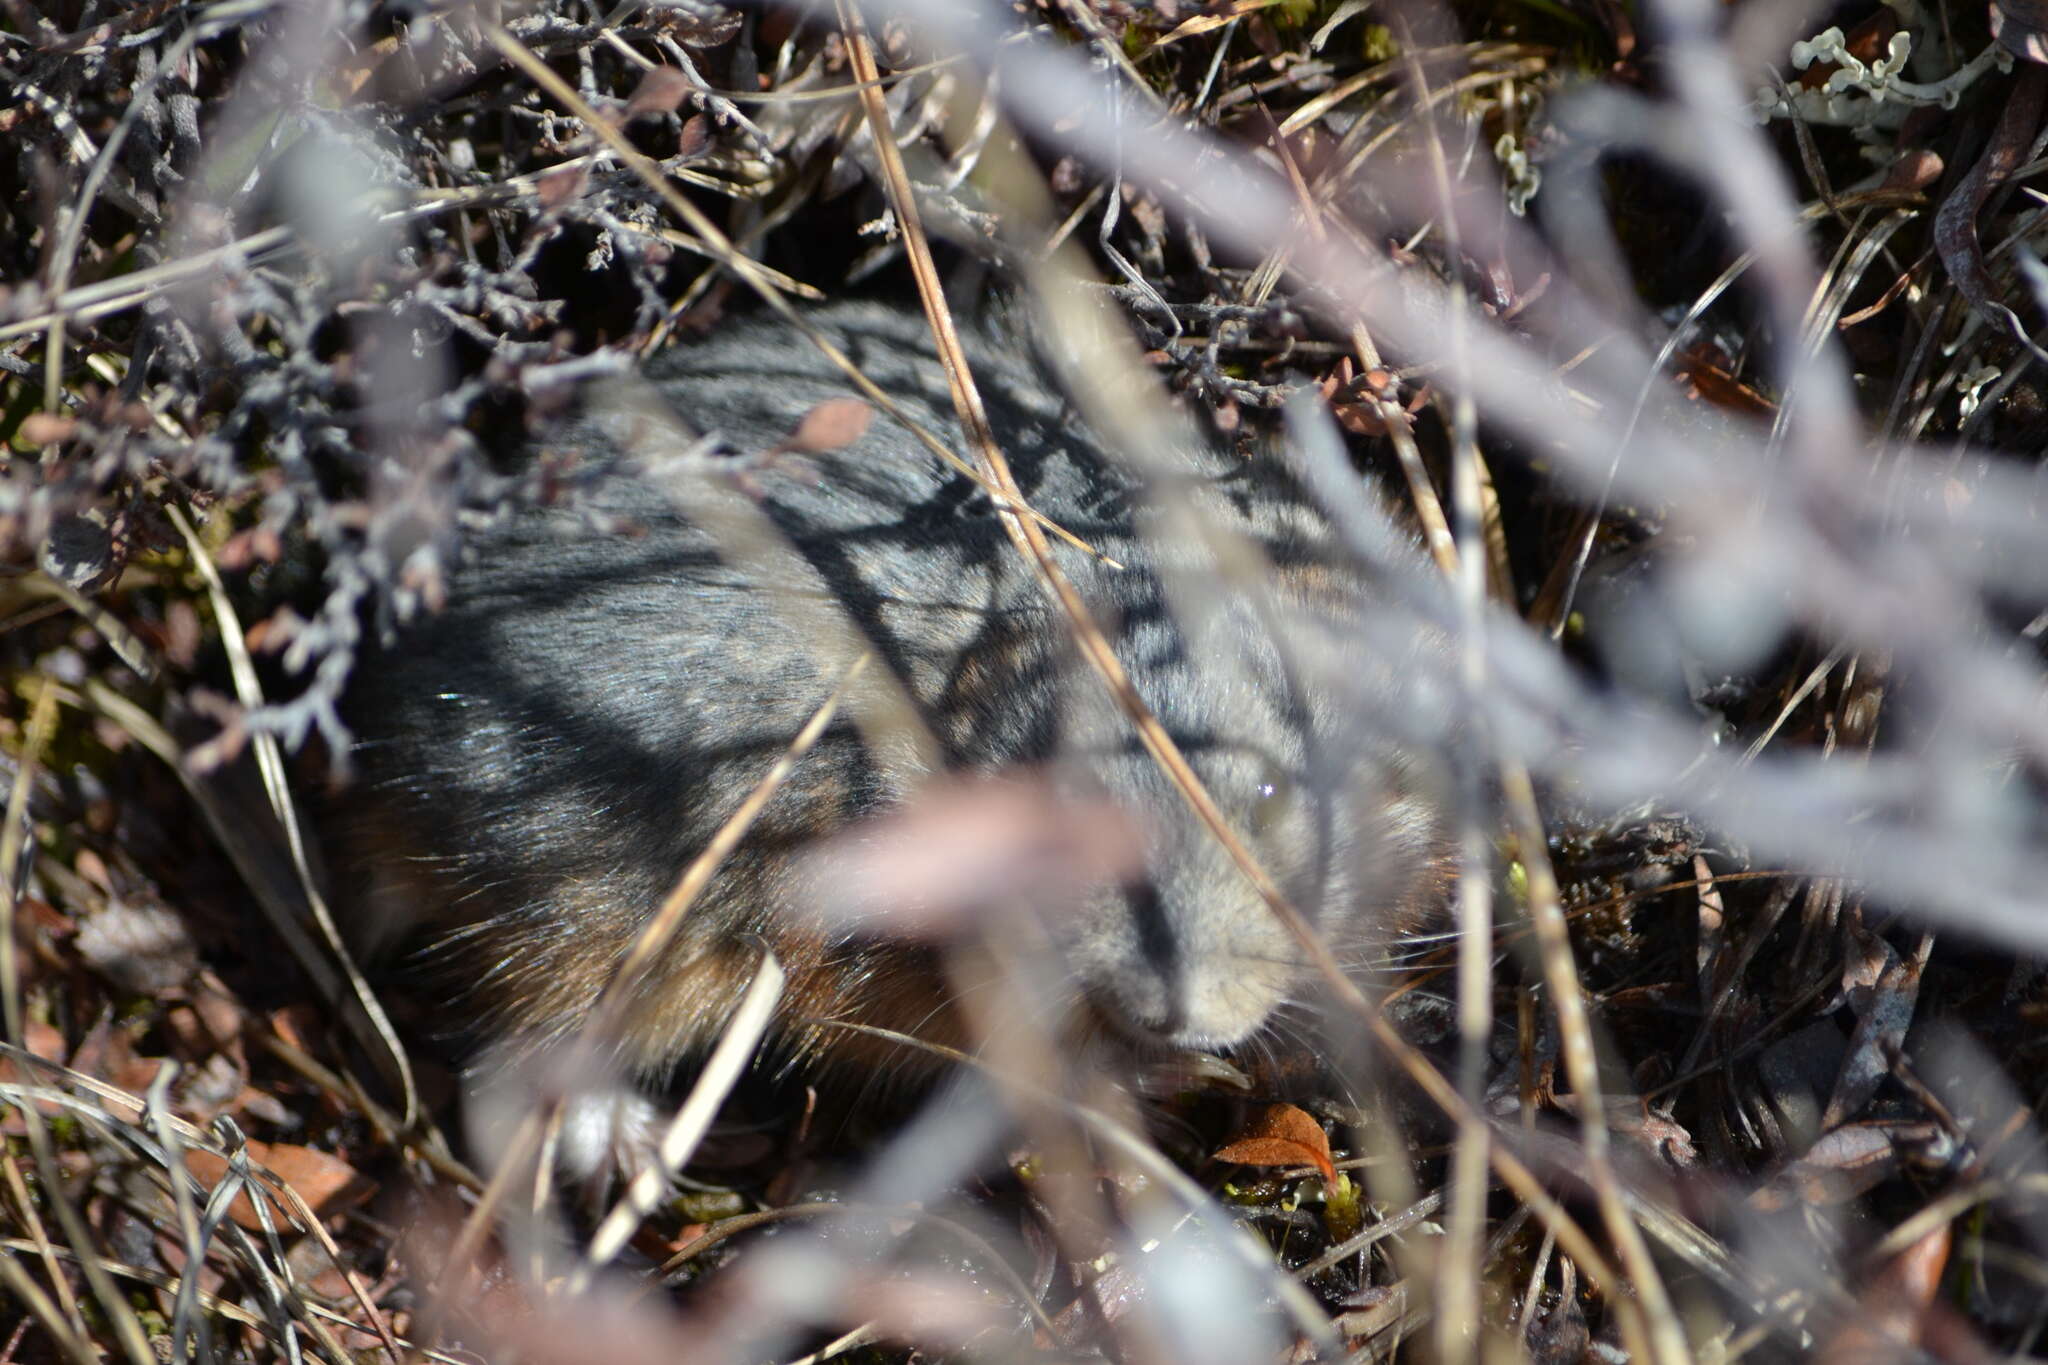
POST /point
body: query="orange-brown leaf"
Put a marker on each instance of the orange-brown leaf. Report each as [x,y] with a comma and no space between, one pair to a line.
[326,1182]
[831,425]
[661,91]
[1282,1135]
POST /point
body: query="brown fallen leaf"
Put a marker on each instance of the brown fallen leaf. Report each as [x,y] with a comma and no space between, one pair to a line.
[1700,371]
[661,91]
[832,425]
[326,1182]
[1282,1135]
[1902,1316]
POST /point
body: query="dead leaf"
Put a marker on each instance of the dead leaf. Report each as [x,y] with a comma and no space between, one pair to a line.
[695,137]
[1282,1135]
[1897,1305]
[327,1183]
[661,91]
[832,425]
[1699,371]
[42,1040]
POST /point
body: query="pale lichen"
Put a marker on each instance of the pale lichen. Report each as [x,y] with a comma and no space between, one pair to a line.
[1869,97]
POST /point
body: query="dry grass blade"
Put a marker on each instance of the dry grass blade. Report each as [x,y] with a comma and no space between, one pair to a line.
[270,764]
[1024,531]
[1666,1336]
[1455,1279]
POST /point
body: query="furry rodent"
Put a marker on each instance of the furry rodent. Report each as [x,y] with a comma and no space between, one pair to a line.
[541,760]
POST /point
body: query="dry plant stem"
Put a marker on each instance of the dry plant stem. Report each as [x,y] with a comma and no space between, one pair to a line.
[606,1014]
[1084,18]
[1378,1232]
[270,764]
[1482,55]
[1525,1316]
[839,1346]
[1429,510]
[1813,679]
[1343,172]
[91,302]
[1830,297]
[236,840]
[1030,540]
[1575,1033]
[127,646]
[103,298]
[728,1060]
[72,231]
[184,1342]
[1455,1283]
[754,275]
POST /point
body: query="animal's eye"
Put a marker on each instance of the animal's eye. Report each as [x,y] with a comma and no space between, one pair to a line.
[1274,794]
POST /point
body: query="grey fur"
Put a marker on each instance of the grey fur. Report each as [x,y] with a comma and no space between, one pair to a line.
[543,759]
